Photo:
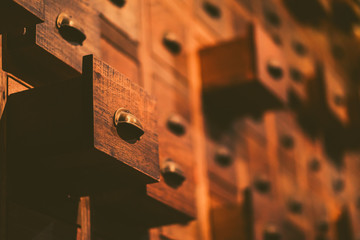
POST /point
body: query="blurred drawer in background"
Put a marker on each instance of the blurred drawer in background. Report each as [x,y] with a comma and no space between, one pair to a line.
[168,37]
[249,71]
[177,184]
[124,15]
[53,50]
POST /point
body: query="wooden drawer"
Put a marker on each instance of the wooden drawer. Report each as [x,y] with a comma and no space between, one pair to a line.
[213,14]
[168,37]
[71,133]
[221,159]
[125,15]
[249,69]
[53,50]
[177,187]
[20,13]
[288,143]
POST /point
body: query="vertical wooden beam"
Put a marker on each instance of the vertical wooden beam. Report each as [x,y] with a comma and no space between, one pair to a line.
[3,198]
[84,233]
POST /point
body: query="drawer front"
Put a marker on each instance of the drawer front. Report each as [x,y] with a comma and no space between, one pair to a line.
[213,14]
[69,32]
[125,15]
[71,50]
[271,64]
[336,96]
[175,189]
[89,132]
[111,91]
[20,13]
[221,162]
[168,37]
[120,60]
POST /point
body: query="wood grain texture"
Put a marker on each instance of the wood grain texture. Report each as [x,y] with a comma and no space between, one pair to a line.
[84,232]
[112,90]
[126,18]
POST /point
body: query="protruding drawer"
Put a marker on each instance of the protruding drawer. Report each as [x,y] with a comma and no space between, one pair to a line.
[53,50]
[250,71]
[88,132]
[20,13]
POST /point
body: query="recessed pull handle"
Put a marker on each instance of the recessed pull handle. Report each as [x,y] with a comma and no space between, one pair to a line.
[223,156]
[172,43]
[212,10]
[176,124]
[287,141]
[262,183]
[127,125]
[70,30]
[172,173]
[271,232]
[119,3]
[295,205]
[274,69]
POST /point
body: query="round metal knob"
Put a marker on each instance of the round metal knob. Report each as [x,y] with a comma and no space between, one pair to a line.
[274,69]
[172,43]
[127,125]
[223,156]
[69,29]
[172,173]
[176,124]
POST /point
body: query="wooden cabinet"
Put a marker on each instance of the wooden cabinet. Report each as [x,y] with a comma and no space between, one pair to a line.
[17,14]
[53,50]
[81,129]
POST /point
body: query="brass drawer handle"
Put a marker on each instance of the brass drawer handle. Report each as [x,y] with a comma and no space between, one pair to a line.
[262,184]
[223,156]
[176,124]
[274,69]
[127,125]
[119,3]
[172,173]
[212,10]
[172,43]
[70,30]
